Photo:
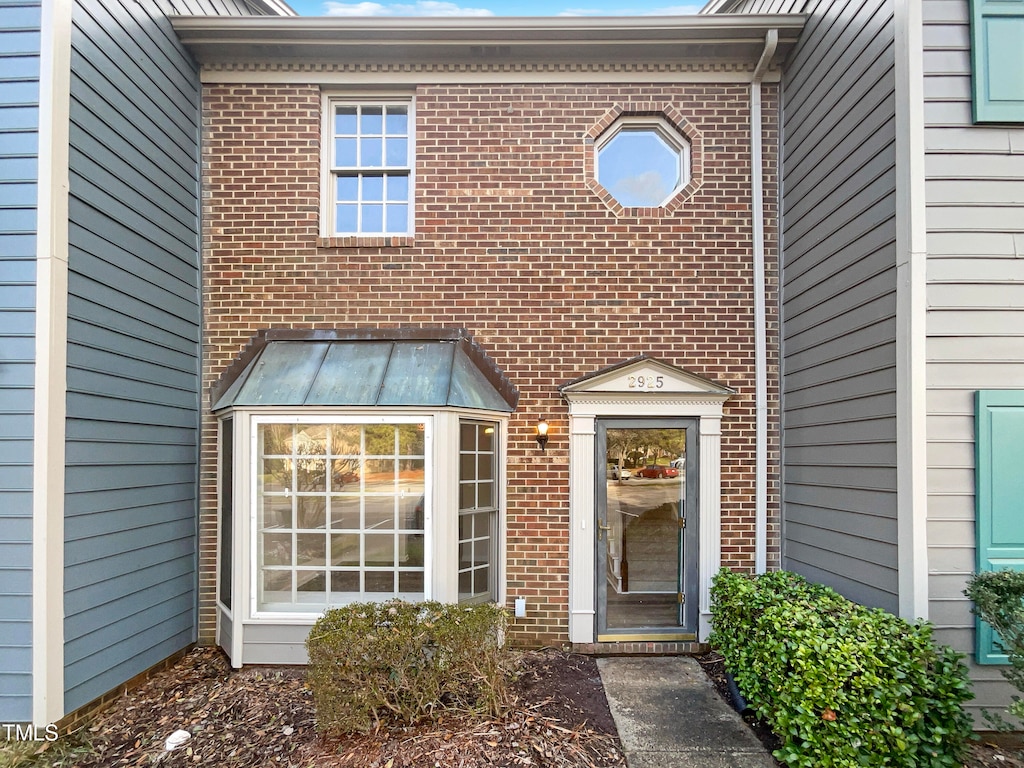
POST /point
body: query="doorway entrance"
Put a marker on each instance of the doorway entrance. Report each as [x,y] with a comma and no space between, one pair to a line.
[646,529]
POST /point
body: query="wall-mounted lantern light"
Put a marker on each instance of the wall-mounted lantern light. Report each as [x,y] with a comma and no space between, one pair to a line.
[542,434]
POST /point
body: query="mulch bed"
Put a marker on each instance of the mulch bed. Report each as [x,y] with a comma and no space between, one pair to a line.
[263,716]
[260,716]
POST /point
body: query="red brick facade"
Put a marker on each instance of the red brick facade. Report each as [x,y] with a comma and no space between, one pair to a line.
[513,242]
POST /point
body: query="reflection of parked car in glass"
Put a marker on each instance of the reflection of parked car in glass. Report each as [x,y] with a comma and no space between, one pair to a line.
[615,473]
[344,476]
[656,470]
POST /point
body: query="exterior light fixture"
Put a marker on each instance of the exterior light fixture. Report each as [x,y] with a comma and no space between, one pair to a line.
[542,434]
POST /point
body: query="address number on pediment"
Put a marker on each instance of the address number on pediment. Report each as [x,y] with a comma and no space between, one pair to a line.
[645,382]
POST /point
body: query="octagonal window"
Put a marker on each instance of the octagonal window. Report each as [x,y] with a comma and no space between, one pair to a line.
[643,163]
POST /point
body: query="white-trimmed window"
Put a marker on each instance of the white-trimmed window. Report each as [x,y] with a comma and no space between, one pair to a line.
[356,465]
[339,512]
[369,167]
[478,511]
[642,161]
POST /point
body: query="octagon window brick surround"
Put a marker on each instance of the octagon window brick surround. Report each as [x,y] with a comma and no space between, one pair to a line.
[643,158]
[642,162]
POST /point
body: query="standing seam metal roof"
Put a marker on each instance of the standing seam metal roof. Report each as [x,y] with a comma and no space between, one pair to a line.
[365,368]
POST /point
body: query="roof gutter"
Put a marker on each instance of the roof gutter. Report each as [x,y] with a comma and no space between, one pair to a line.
[771,42]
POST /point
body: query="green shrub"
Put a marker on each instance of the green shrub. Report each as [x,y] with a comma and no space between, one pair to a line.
[396,662]
[839,684]
[999,600]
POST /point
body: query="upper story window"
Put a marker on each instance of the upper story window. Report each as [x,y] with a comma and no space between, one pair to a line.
[642,162]
[369,167]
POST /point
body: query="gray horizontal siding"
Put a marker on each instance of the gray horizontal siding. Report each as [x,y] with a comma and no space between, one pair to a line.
[19,141]
[270,644]
[975,293]
[133,342]
[838,302]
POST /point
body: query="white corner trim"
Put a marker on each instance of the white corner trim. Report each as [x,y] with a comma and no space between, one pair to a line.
[50,365]
[911,335]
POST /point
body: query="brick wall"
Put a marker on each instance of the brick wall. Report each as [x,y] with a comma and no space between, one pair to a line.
[514,244]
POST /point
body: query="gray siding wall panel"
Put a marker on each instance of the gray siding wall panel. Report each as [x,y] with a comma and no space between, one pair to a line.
[838,302]
[975,325]
[767,6]
[133,343]
[20,22]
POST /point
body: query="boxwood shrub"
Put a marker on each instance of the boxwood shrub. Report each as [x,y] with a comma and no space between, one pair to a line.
[839,684]
[372,664]
[999,600]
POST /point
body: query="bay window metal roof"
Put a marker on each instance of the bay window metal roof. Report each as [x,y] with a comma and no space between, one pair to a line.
[420,367]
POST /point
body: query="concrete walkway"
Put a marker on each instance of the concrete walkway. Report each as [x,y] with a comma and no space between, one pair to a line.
[670,716]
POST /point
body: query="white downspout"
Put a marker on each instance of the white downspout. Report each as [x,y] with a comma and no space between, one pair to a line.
[771,41]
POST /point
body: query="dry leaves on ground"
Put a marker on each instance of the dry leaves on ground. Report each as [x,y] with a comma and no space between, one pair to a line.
[264,717]
[260,716]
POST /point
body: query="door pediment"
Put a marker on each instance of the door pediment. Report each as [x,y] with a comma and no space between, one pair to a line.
[644,377]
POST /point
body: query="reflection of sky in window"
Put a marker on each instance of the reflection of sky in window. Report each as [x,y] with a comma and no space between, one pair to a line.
[372,137]
[639,168]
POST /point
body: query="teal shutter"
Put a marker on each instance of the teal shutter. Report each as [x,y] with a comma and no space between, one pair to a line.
[997,59]
[999,500]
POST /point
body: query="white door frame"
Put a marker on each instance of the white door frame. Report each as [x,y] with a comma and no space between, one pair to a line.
[652,389]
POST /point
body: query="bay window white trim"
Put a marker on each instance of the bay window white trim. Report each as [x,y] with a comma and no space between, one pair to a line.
[245,631]
[318,417]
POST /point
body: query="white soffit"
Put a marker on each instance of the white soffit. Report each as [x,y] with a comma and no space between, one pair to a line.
[269,42]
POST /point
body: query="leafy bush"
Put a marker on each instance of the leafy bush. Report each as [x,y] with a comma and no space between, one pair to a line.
[840,684]
[999,600]
[398,662]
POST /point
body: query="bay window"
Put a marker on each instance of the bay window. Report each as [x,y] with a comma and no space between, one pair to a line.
[356,465]
[478,511]
[339,513]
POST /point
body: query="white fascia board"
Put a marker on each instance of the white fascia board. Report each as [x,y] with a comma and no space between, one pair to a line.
[506,41]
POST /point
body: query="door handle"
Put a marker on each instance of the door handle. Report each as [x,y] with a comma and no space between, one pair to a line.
[602,527]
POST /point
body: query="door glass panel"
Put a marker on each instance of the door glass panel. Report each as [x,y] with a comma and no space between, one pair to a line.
[642,532]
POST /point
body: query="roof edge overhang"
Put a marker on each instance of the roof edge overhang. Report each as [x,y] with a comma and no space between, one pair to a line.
[473,351]
[261,41]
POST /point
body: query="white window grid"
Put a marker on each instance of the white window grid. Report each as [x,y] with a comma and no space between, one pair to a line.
[478,511]
[369,185]
[335,574]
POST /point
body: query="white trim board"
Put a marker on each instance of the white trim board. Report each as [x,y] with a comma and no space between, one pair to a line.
[610,394]
[50,365]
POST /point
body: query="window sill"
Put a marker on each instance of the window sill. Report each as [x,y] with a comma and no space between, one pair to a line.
[366,241]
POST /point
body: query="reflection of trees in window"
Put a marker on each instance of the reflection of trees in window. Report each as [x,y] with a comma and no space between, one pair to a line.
[478,510]
[638,447]
[341,505]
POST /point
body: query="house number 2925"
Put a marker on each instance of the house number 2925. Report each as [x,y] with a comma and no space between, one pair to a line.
[646,382]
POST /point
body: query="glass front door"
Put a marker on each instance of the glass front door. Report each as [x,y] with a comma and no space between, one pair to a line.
[646,532]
